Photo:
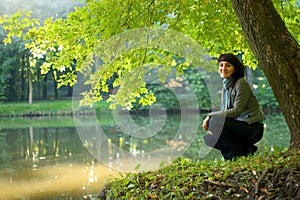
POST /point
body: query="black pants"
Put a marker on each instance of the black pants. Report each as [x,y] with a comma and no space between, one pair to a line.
[233,138]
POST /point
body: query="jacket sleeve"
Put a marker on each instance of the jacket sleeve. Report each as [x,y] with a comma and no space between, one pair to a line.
[242,92]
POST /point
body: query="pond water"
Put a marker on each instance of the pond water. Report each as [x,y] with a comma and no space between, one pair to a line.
[49,158]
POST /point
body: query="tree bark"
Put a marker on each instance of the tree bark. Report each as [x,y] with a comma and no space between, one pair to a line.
[45,87]
[30,86]
[278,54]
[30,89]
[23,81]
[54,85]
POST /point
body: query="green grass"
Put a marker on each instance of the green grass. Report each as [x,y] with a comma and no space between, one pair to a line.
[262,176]
[50,106]
[43,122]
[18,108]
[12,114]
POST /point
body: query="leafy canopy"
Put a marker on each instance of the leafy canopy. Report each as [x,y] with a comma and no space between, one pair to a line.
[75,40]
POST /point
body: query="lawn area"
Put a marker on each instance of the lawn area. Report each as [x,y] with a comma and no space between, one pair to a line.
[18,108]
[54,107]
[55,113]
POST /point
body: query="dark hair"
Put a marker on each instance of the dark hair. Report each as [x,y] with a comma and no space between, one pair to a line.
[235,61]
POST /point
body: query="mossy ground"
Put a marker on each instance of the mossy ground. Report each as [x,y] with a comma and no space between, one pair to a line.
[268,176]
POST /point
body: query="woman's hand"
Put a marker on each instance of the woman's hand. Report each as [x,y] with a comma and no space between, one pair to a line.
[205,123]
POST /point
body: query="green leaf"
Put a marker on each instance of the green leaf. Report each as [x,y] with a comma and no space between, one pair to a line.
[137,167]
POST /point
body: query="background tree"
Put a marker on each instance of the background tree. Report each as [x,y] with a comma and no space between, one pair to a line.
[20,78]
[13,64]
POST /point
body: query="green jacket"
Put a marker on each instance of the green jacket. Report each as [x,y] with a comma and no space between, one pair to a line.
[243,104]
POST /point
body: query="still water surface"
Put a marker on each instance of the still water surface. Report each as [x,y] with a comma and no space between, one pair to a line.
[46,158]
[48,163]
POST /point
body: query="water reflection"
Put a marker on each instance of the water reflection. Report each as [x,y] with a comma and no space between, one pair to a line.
[52,162]
[145,146]
[48,163]
[59,181]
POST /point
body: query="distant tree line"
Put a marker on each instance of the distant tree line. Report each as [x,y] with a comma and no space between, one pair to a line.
[17,79]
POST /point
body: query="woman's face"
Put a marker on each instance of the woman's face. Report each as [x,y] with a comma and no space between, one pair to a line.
[226,69]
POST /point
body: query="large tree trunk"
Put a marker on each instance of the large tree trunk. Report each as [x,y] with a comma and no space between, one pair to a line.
[278,55]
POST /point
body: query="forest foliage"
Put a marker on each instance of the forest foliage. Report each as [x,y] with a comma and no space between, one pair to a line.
[68,45]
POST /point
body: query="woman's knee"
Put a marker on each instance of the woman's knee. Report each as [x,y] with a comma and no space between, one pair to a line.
[216,125]
[216,120]
[257,136]
[209,140]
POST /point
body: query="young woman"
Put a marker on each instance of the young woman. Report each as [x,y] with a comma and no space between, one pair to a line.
[238,125]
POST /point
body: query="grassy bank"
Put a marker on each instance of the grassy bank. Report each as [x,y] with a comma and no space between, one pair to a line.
[22,108]
[39,122]
[268,176]
[52,113]
[49,107]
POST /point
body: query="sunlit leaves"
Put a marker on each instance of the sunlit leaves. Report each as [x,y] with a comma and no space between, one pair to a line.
[18,24]
[68,78]
[290,13]
[69,45]
[45,67]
